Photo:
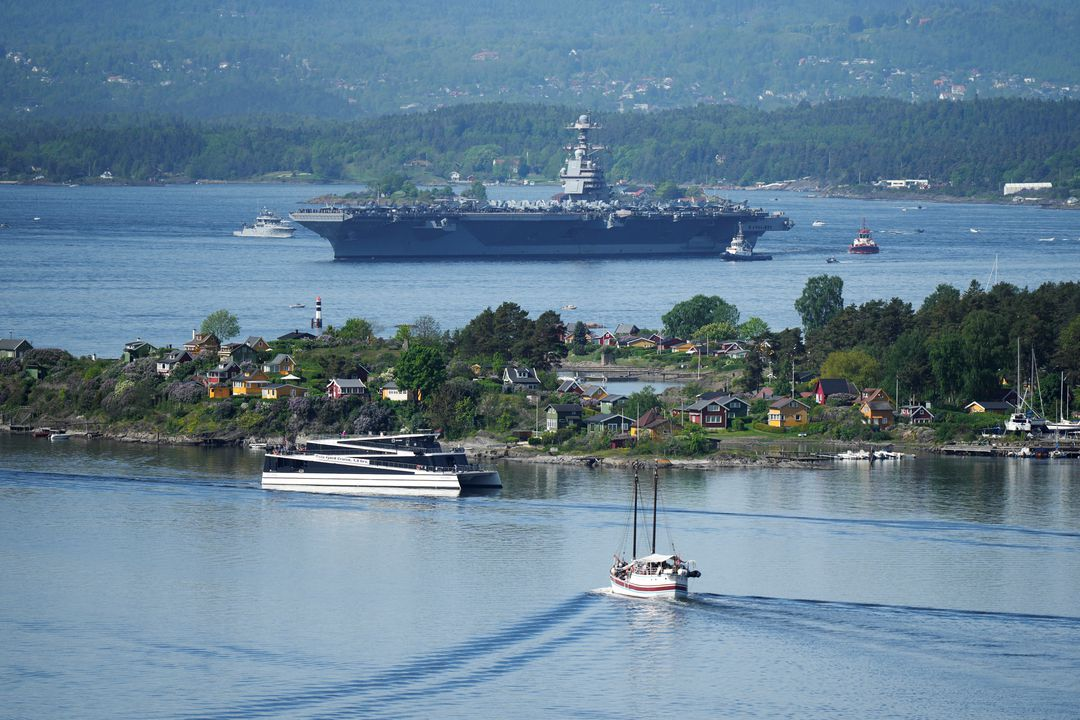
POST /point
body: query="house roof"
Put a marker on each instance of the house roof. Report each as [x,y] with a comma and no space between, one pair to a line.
[701,404]
[297,335]
[835,386]
[253,340]
[347,382]
[881,405]
[133,345]
[626,329]
[613,398]
[991,405]
[786,402]
[605,417]
[564,408]
[13,344]
[568,386]
[280,358]
[651,418]
[516,374]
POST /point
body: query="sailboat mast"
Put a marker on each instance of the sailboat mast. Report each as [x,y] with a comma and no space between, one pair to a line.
[634,553]
[655,494]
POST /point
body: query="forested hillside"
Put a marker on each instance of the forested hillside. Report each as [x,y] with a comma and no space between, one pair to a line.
[967,147]
[227,58]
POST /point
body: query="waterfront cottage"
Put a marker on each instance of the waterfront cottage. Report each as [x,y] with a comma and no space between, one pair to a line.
[237,352]
[841,390]
[916,414]
[989,406]
[279,391]
[341,387]
[626,329]
[519,379]
[733,404]
[872,394]
[297,335]
[257,344]
[638,342]
[282,364]
[610,423]
[562,415]
[706,413]
[14,348]
[652,425]
[136,349]
[222,374]
[390,391]
[570,386]
[602,337]
[878,414]
[788,412]
[202,344]
[219,392]
[167,364]
[250,384]
[609,403]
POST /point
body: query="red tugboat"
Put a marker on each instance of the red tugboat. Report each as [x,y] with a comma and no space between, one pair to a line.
[864,244]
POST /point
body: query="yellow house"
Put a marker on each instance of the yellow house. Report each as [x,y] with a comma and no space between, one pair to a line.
[276,392]
[644,343]
[785,413]
[684,347]
[219,391]
[251,384]
[878,414]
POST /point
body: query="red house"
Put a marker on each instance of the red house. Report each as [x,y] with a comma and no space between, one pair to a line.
[706,413]
[340,387]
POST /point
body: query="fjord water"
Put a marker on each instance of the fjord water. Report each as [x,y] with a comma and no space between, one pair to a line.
[90,268]
[162,582]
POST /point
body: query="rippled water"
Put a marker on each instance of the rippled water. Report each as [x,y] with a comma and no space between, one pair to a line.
[90,268]
[161,582]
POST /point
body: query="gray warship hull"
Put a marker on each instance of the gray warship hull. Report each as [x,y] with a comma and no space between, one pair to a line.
[496,235]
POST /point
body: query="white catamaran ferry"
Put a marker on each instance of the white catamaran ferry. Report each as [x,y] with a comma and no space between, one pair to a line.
[390,464]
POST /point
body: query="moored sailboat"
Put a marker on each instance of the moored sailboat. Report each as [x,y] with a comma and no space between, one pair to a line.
[654,575]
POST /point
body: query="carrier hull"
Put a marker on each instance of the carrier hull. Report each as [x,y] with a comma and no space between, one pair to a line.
[533,235]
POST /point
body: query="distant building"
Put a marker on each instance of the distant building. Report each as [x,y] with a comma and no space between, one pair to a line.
[1013,188]
[14,348]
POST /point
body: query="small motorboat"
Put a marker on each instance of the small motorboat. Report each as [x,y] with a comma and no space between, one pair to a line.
[974,230]
[569,307]
[297,305]
[831,260]
[59,435]
[818,223]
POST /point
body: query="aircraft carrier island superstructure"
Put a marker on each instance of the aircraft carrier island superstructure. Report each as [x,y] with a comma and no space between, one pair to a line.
[587,221]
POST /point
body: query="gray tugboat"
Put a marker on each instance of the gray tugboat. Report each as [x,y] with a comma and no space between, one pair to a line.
[587,221]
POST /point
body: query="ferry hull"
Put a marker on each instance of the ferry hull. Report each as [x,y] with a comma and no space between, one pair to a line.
[364,483]
[533,235]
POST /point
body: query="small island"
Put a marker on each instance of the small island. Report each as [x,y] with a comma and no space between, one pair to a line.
[946,375]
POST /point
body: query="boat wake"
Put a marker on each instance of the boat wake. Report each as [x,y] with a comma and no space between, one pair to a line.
[447,670]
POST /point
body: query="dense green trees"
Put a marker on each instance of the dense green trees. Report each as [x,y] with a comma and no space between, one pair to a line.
[956,347]
[498,336]
[821,300]
[222,323]
[971,146]
[688,317]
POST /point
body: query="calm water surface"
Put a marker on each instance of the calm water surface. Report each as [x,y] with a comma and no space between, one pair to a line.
[162,582]
[90,268]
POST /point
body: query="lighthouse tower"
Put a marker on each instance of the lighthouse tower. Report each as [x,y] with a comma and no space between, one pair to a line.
[316,322]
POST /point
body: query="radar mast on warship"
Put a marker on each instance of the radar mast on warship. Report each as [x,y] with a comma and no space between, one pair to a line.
[584,222]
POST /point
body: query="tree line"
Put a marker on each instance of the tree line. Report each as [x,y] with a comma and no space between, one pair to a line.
[964,147]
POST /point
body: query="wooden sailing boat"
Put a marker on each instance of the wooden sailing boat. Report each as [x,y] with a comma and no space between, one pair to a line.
[654,575]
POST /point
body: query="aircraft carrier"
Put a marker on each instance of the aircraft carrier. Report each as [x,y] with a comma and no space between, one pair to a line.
[586,221]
